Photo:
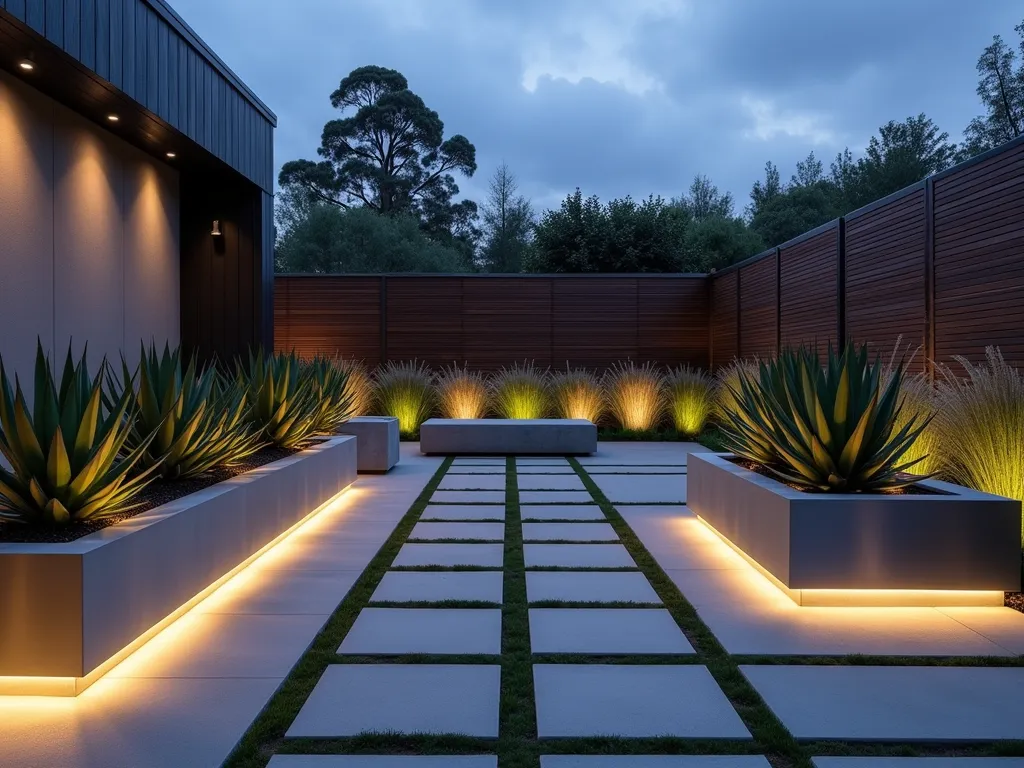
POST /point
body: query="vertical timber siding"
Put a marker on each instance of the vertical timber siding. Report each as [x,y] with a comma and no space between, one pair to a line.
[487,322]
[146,51]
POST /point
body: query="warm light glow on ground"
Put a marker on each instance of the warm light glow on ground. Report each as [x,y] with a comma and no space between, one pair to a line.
[850,598]
[166,638]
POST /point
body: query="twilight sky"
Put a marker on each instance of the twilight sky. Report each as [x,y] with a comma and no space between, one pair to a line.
[620,96]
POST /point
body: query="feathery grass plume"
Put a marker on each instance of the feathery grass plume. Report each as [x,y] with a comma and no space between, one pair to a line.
[635,395]
[828,427]
[406,391]
[461,393]
[200,421]
[980,421]
[359,384]
[577,394]
[520,392]
[727,382]
[68,455]
[691,398]
[917,403]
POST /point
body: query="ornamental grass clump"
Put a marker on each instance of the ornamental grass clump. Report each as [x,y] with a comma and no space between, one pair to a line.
[68,456]
[921,406]
[196,420]
[359,384]
[283,407]
[635,395]
[331,393]
[577,394]
[980,423]
[727,382]
[405,391]
[691,398]
[828,428]
[520,392]
[461,393]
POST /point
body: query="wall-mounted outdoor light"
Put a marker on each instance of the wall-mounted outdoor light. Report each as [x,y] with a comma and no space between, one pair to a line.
[113,118]
[172,155]
[216,228]
[27,65]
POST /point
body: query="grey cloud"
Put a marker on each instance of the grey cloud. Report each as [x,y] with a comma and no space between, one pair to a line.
[735,82]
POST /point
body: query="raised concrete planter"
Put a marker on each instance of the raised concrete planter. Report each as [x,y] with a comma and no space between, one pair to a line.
[376,441]
[69,611]
[957,540]
[508,436]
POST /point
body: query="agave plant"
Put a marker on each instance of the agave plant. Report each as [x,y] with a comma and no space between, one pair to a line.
[68,456]
[334,397]
[826,428]
[283,403]
[199,422]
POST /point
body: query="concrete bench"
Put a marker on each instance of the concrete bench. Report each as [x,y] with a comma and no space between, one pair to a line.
[508,436]
[376,441]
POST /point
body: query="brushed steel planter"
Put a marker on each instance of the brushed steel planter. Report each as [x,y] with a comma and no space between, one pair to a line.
[954,546]
[70,610]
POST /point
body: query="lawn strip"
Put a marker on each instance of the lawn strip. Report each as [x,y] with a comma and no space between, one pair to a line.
[267,732]
[772,737]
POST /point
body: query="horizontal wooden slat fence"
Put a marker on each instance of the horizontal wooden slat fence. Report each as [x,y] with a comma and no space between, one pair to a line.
[939,264]
[489,321]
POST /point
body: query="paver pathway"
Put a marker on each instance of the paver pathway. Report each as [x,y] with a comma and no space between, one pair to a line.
[539,615]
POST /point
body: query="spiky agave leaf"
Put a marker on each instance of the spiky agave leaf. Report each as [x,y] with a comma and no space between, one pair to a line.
[830,428]
[68,455]
[335,398]
[282,403]
[200,421]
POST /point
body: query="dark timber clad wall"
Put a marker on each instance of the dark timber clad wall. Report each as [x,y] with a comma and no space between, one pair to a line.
[491,321]
[145,50]
[138,58]
[725,313]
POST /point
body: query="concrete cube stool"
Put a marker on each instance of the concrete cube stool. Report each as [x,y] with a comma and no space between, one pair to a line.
[521,437]
[376,441]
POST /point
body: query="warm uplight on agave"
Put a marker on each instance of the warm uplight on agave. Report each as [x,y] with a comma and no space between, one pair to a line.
[828,427]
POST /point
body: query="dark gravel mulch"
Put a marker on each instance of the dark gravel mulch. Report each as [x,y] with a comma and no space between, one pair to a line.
[153,495]
[1015,600]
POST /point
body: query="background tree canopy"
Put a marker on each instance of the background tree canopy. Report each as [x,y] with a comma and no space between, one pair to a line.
[383,196]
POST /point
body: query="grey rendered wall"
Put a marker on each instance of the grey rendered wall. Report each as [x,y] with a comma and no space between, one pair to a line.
[90,236]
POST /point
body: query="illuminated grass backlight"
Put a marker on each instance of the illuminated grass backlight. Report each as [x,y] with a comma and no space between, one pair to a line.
[577,394]
[520,392]
[461,394]
[636,395]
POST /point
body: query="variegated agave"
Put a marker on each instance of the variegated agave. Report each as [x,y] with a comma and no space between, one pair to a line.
[824,428]
[200,421]
[68,454]
[283,403]
[334,395]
